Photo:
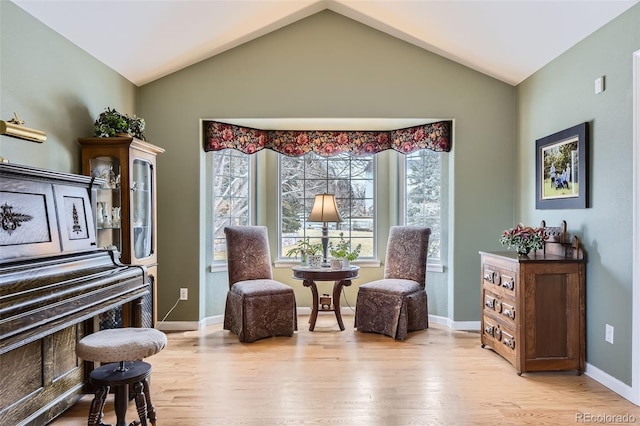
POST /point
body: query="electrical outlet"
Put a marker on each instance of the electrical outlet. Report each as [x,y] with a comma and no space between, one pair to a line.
[184,294]
[608,333]
[599,85]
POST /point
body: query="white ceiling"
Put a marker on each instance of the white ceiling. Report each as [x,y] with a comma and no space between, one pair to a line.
[147,39]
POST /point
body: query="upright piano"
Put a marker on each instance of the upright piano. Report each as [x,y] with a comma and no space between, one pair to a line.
[54,281]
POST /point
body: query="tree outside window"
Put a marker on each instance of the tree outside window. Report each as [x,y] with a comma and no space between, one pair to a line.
[231,195]
[350,178]
[423,172]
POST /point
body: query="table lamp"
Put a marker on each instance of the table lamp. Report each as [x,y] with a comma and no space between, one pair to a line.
[324,210]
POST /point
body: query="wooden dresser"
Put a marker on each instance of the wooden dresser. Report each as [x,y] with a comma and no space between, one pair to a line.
[533,307]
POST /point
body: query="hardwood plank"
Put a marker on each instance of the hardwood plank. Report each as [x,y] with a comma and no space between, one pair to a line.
[435,377]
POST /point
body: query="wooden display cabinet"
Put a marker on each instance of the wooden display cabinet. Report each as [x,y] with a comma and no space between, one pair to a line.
[533,306]
[126,209]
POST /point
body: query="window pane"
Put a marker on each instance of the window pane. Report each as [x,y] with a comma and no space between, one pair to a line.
[231,195]
[314,174]
[422,195]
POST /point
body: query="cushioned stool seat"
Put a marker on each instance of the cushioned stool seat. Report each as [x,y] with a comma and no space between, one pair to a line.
[123,349]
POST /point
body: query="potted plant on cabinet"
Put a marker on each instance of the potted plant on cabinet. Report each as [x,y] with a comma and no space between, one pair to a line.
[112,123]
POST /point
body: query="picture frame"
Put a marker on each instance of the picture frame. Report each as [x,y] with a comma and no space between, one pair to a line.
[75,218]
[29,224]
[561,171]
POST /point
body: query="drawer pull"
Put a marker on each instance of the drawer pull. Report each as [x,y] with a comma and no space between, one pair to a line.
[508,284]
[511,313]
[489,276]
[489,330]
[509,342]
[490,303]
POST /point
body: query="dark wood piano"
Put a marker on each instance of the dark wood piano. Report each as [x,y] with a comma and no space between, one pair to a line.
[54,281]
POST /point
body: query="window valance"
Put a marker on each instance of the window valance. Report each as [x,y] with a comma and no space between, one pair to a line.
[218,135]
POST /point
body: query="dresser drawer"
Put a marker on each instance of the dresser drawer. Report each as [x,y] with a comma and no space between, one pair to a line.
[500,309]
[499,337]
[499,280]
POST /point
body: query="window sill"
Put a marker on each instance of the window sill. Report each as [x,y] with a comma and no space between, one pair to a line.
[364,263]
[435,267]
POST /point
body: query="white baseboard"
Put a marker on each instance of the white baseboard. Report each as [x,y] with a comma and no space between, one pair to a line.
[455,325]
[621,388]
[179,325]
[216,319]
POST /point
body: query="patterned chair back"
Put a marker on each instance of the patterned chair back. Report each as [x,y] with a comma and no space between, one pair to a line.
[247,253]
[406,256]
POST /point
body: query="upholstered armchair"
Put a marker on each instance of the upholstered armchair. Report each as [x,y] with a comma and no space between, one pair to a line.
[397,303]
[257,306]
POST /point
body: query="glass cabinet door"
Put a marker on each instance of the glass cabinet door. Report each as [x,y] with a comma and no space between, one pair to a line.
[108,202]
[141,208]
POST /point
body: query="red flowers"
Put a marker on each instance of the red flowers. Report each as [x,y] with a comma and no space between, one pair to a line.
[524,238]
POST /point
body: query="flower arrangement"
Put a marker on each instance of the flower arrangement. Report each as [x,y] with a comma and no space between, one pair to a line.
[342,250]
[110,122]
[524,238]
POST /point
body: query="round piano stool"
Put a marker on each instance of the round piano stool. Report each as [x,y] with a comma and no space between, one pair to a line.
[122,350]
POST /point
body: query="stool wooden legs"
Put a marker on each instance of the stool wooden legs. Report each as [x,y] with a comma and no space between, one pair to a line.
[142,397]
[97,406]
[151,410]
[119,378]
[141,403]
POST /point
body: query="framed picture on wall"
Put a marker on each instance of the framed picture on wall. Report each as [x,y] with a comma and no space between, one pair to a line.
[561,173]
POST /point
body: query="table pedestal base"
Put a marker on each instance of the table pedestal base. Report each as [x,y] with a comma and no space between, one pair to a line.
[315,308]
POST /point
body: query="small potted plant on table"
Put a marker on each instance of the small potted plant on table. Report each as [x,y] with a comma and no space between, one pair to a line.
[342,253]
[309,253]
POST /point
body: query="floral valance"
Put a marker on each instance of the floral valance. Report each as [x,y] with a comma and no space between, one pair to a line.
[434,136]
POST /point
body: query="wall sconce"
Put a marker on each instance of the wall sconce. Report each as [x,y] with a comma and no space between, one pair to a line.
[15,129]
[324,210]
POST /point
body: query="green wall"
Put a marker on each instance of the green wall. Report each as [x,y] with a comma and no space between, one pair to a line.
[329,66]
[54,87]
[557,97]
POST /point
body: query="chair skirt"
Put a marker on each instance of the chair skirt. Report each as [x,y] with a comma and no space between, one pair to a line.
[388,312]
[254,311]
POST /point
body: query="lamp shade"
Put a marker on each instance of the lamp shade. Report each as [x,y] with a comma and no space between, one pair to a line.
[324,209]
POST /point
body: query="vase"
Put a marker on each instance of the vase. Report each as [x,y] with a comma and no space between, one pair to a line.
[100,214]
[336,264]
[315,260]
[524,250]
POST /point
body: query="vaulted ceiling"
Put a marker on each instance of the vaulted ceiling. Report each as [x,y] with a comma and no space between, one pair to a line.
[145,40]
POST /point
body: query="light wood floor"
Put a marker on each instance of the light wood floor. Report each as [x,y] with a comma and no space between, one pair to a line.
[435,377]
